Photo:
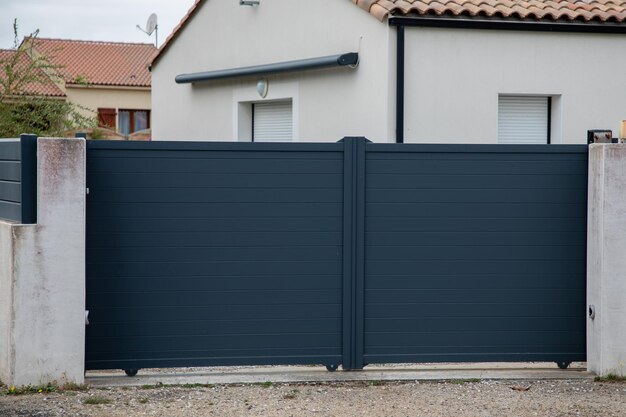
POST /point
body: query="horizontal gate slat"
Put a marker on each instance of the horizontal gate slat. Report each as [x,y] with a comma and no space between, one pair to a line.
[216,195]
[206,181]
[253,224]
[204,210]
[10,191]
[472,281]
[218,283]
[177,313]
[215,239]
[387,239]
[447,266]
[476,224]
[434,180]
[469,324]
[217,253]
[220,166]
[10,171]
[10,210]
[463,210]
[224,268]
[223,327]
[469,195]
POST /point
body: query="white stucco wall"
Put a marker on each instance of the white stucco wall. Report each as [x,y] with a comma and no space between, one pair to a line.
[606,263]
[42,275]
[328,104]
[453,78]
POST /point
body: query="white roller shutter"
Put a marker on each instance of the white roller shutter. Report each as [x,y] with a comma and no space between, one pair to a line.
[273,121]
[523,120]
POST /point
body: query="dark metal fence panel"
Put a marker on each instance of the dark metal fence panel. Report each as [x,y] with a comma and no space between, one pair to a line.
[18,181]
[213,254]
[475,253]
[10,176]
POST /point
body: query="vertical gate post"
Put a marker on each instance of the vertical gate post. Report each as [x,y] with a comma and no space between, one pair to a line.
[353,251]
[606,263]
[42,275]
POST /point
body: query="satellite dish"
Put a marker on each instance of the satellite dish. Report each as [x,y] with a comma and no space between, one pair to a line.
[151,24]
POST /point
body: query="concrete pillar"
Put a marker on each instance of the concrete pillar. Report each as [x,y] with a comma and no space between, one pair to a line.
[606,260]
[42,275]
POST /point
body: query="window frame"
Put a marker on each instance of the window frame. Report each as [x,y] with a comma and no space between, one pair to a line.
[132,119]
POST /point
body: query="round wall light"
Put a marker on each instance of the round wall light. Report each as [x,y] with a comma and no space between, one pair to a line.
[262,86]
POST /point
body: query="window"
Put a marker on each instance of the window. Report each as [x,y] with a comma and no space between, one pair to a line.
[106,118]
[524,119]
[131,121]
[272,121]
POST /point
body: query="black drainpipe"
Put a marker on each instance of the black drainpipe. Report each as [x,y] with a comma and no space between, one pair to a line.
[400,85]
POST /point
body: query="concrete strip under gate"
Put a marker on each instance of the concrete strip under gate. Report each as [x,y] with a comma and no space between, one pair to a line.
[308,374]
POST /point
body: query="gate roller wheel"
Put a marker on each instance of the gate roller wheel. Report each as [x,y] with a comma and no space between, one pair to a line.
[563,364]
[131,372]
[332,368]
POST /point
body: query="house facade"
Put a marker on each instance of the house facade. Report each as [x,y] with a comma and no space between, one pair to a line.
[107,79]
[427,72]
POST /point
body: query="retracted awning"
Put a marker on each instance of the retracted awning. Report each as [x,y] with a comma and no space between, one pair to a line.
[350,60]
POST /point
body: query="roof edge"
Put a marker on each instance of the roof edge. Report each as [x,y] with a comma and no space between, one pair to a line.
[507,24]
[38,38]
[177,30]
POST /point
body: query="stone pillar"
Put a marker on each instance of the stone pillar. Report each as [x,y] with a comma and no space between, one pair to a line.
[42,275]
[606,260]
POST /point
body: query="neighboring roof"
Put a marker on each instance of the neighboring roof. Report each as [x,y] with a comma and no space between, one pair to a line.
[46,87]
[552,10]
[99,63]
[172,36]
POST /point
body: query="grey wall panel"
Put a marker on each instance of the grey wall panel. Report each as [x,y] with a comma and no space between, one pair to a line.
[475,253]
[204,254]
[18,179]
[10,180]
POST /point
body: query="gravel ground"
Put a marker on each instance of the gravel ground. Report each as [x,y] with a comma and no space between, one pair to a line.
[363,399]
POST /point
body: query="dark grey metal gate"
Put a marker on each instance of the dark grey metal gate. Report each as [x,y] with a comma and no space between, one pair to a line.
[475,253]
[213,254]
[352,253]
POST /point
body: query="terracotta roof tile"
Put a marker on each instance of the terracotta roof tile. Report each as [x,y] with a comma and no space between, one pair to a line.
[99,63]
[568,10]
[46,87]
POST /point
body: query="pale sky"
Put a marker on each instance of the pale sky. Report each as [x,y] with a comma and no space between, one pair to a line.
[100,20]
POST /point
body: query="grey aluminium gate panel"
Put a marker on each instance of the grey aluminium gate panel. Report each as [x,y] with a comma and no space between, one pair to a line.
[475,253]
[213,254]
[352,253]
